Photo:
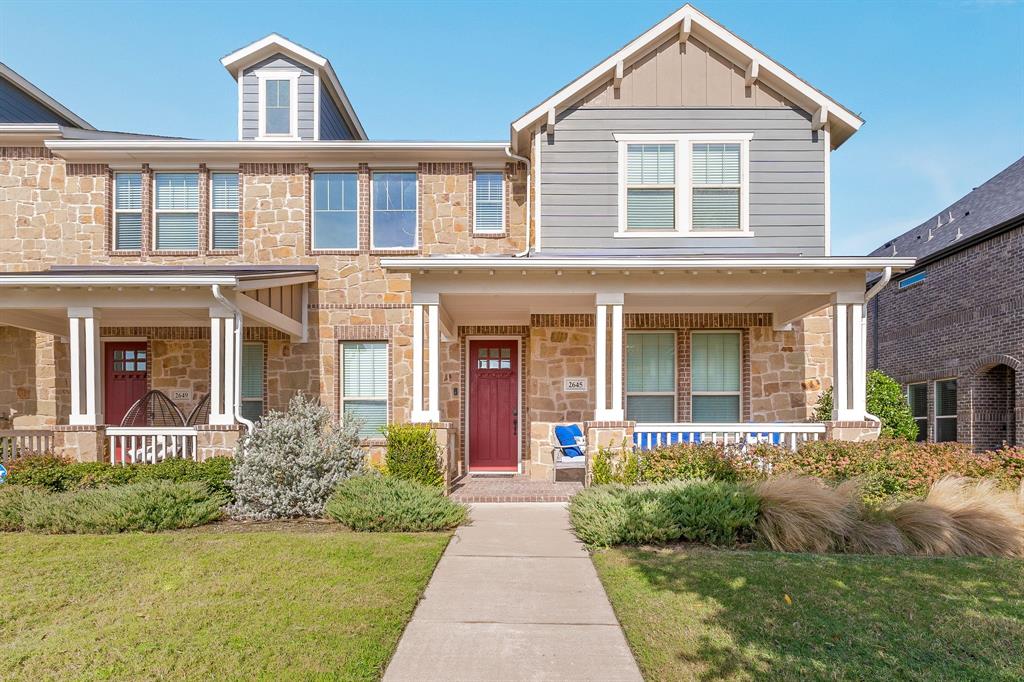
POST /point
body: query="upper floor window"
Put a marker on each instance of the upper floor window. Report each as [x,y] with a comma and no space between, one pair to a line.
[127,211]
[335,211]
[394,220]
[224,211]
[278,113]
[176,211]
[683,184]
[489,202]
[715,376]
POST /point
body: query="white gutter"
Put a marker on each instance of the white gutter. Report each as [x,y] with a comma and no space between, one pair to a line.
[115,280]
[529,208]
[613,263]
[872,292]
[239,145]
[237,388]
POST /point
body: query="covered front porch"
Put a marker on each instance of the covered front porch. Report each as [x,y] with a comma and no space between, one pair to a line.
[144,363]
[644,353]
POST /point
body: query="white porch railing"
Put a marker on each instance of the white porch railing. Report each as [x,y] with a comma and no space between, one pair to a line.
[132,444]
[21,442]
[647,436]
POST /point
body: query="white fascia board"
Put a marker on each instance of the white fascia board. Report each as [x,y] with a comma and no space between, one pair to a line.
[115,280]
[865,263]
[41,97]
[707,28]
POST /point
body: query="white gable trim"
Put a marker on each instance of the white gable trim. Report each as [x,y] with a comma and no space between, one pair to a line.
[687,21]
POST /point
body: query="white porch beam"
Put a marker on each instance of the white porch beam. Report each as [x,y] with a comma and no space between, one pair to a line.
[600,361]
[616,412]
[216,381]
[254,284]
[257,311]
[34,321]
[841,407]
[602,410]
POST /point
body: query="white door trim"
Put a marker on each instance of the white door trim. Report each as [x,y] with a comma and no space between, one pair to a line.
[519,400]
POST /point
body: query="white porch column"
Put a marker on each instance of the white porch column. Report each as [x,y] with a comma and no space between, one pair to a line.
[417,363]
[603,411]
[222,361]
[434,368]
[86,366]
[430,304]
[849,360]
[858,361]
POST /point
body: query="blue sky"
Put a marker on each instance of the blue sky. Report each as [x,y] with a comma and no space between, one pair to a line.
[940,84]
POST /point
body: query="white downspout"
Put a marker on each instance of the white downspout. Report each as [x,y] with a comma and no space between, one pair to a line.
[872,292]
[529,208]
[237,388]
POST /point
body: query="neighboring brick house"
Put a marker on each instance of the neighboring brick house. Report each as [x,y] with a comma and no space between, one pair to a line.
[951,330]
[647,254]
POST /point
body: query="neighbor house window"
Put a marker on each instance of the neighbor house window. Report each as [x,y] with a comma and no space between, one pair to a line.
[277,104]
[224,211]
[715,376]
[489,202]
[716,186]
[651,377]
[650,187]
[176,211]
[127,211]
[945,410]
[394,220]
[916,278]
[251,380]
[917,396]
[364,385]
[335,214]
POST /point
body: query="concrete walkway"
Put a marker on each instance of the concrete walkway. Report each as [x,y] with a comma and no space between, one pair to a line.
[515,597]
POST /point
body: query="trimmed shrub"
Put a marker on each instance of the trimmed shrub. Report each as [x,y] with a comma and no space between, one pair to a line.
[291,462]
[413,454]
[387,504]
[885,400]
[716,512]
[616,466]
[681,461]
[147,506]
[14,500]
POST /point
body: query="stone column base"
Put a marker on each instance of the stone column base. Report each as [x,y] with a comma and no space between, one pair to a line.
[447,453]
[615,436]
[853,431]
[81,443]
[217,440]
[541,464]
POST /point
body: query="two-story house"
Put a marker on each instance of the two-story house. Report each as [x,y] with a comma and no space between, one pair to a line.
[646,255]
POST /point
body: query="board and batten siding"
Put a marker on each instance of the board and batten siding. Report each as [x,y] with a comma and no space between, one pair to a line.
[332,125]
[579,179]
[251,96]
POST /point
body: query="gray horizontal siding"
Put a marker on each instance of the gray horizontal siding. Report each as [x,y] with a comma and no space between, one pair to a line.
[579,178]
[17,107]
[332,125]
[251,96]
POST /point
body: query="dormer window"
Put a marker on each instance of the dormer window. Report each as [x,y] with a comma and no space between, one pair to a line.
[278,92]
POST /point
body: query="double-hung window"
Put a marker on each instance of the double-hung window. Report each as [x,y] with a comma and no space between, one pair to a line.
[176,211]
[277,106]
[651,377]
[917,396]
[945,410]
[127,211]
[364,385]
[393,220]
[251,383]
[224,211]
[489,202]
[335,204]
[716,186]
[715,376]
[650,187]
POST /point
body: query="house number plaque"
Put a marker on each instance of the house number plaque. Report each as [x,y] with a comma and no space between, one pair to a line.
[575,385]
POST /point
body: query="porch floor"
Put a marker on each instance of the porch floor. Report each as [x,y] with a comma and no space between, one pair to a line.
[512,489]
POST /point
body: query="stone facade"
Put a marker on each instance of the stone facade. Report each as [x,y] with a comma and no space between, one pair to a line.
[965,321]
[33,390]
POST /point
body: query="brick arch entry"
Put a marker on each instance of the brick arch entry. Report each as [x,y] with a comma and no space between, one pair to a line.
[994,405]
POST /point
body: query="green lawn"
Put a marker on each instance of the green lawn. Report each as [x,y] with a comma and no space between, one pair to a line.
[703,614]
[294,603]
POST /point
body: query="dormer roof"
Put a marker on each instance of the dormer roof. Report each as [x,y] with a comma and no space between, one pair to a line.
[278,44]
[685,22]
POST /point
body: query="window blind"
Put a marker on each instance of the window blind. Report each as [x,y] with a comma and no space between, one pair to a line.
[647,207]
[365,385]
[650,409]
[177,231]
[650,362]
[177,191]
[128,191]
[224,204]
[128,211]
[715,362]
[224,191]
[651,164]
[716,164]
[716,408]
[489,198]
[716,207]
[650,209]
[251,381]
[128,231]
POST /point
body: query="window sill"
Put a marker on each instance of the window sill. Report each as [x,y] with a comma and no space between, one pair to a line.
[680,234]
[170,252]
[395,252]
[277,138]
[125,253]
[224,252]
[334,252]
[490,235]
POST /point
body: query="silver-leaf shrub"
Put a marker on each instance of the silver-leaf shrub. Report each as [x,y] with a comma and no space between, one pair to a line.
[291,462]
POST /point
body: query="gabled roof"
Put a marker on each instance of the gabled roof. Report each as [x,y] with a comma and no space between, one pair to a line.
[273,44]
[687,21]
[44,100]
[984,209]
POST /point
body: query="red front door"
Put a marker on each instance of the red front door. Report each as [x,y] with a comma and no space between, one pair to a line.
[493,405]
[126,364]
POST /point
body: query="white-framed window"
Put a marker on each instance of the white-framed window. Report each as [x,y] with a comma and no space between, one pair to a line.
[651,376]
[251,381]
[685,184]
[278,104]
[364,385]
[223,210]
[335,210]
[128,211]
[176,211]
[945,410]
[393,218]
[917,398]
[715,383]
[489,202]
